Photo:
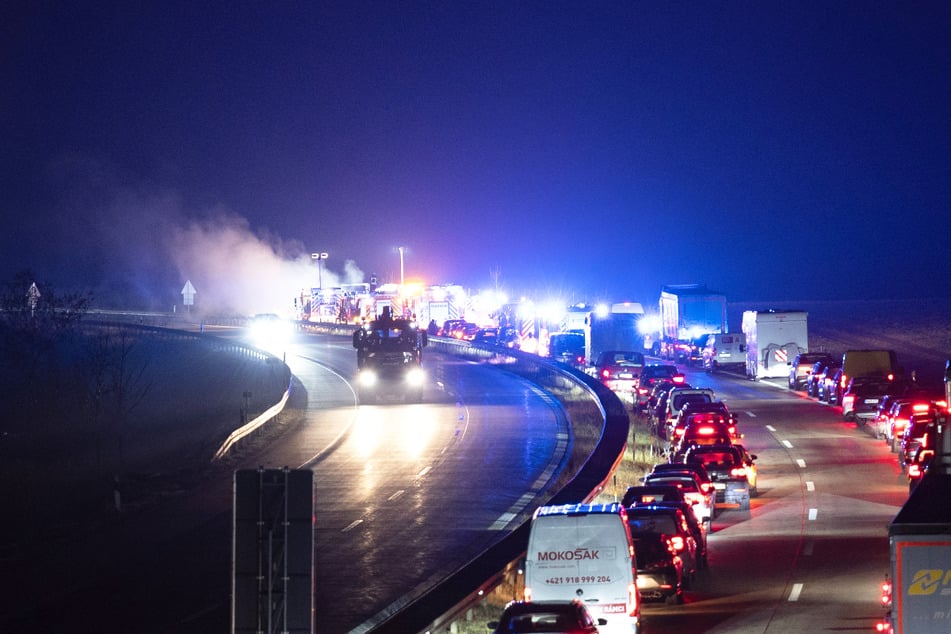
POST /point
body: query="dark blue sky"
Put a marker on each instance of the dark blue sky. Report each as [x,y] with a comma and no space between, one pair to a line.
[775,151]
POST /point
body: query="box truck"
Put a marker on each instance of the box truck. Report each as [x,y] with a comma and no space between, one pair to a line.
[690,310]
[773,339]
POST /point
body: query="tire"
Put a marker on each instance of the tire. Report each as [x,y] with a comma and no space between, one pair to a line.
[676,598]
[745,503]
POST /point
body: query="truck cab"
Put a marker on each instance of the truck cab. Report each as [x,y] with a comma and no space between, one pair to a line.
[389,358]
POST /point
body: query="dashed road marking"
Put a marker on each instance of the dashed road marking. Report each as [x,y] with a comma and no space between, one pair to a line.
[770,428]
[810,485]
[801,463]
[352,525]
[813,514]
[796,591]
[787,444]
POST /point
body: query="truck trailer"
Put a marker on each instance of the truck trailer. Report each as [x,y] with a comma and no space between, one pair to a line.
[773,339]
[691,310]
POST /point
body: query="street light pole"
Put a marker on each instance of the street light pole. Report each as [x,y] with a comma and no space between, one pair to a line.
[319,257]
[401,265]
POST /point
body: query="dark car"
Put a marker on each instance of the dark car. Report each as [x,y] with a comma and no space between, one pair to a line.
[696,528]
[694,352]
[567,347]
[919,427]
[651,375]
[666,552]
[546,616]
[860,400]
[732,470]
[644,494]
[486,336]
[812,381]
[619,370]
[828,381]
[803,366]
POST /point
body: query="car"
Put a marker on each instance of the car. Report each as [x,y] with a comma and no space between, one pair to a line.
[827,382]
[486,336]
[666,552]
[449,326]
[860,400]
[802,367]
[696,418]
[679,467]
[915,436]
[651,375]
[657,406]
[567,347]
[812,380]
[715,411]
[689,483]
[680,396]
[697,528]
[724,351]
[732,470]
[619,370]
[694,352]
[644,494]
[569,617]
[920,462]
[899,416]
[702,434]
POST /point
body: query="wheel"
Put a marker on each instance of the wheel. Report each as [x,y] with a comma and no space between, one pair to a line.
[675,599]
[745,504]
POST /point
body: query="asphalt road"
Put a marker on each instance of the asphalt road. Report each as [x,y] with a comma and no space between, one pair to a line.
[813,549]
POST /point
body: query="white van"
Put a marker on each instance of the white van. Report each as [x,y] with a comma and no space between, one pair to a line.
[585,551]
[725,351]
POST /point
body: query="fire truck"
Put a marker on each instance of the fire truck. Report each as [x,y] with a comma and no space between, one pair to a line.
[389,358]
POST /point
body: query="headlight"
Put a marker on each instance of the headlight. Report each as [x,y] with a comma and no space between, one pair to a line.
[415,377]
[367,378]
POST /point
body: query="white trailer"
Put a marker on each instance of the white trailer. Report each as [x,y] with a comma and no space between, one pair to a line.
[773,339]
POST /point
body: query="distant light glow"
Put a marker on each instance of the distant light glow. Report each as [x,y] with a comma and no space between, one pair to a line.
[602,310]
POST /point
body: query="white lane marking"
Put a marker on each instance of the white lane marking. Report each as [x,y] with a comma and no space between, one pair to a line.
[352,525]
[505,518]
[770,428]
[801,463]
[423,472]
[813,514]
[396,495]
[810,485]
[751,414]
[787,444]
[796,591]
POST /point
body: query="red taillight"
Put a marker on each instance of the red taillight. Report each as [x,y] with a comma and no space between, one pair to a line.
[679,431]
[920,407]
[914,470]
[844,381]
[848,401]
[679,378]
[642,391]
[706,431]
[677,542]
[527,593]
[738,472]
[732,430]
[705,487]
[606,374]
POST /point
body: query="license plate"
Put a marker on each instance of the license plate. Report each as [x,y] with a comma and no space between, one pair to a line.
[719,486]
[626,375]
[871,401]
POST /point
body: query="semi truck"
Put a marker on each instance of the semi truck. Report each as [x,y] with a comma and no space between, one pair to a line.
[919,541]
[773,339]
[691,310]
[389,358]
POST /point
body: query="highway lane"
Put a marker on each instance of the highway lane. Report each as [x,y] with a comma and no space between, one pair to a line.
[813,549]
[409,492]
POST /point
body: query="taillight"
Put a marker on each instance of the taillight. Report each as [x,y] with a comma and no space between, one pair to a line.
[632,598]
[527,593]
[679,431]
[920,407]
[738,472]
[677,543]
[642,391]
[606,373]
[843,381]
[914,470]
[706,431]
[705,487]
[679,379]
[848,401]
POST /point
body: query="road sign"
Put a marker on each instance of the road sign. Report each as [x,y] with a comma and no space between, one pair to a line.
[188,293]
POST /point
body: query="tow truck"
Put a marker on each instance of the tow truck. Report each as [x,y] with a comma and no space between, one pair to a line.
[389,358]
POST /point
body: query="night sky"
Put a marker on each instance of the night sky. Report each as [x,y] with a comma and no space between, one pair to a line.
[593,151]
